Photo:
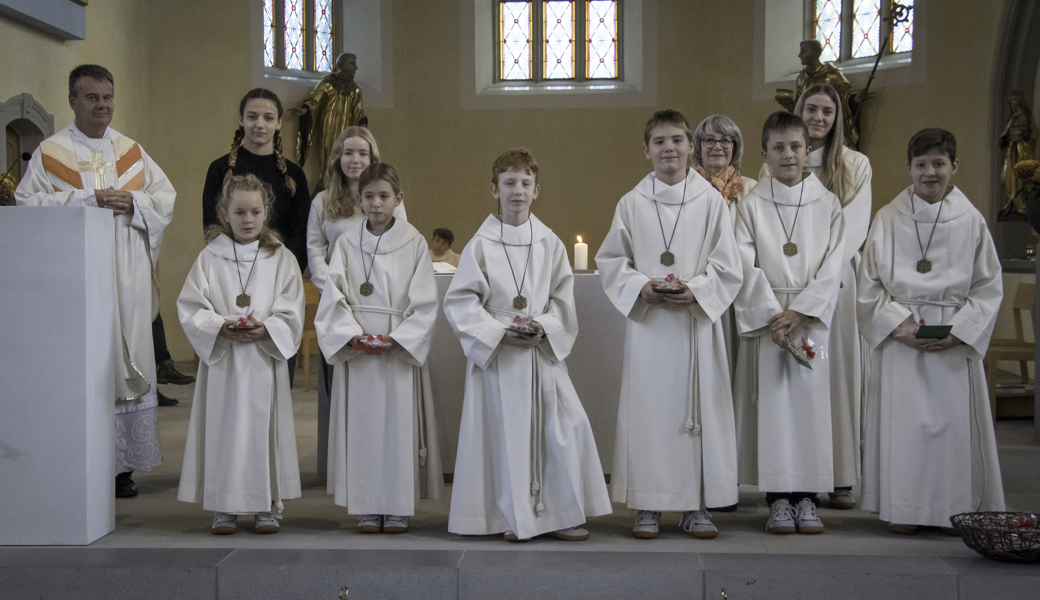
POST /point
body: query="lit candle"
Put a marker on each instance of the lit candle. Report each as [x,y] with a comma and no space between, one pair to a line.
[581,256]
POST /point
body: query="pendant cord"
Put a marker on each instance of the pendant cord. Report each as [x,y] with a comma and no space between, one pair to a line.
[501,239]
[379,238]
[913,211]
[797,210]
[239,271]
[653,192]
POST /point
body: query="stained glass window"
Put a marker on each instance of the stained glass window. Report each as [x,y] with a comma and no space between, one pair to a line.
[866,28]
[515,41]
[903,33]
[602,39]
[827,28]
[269,31]
[294,49]
[559,40]
[324,36]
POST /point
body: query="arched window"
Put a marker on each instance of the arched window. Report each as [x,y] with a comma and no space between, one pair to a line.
[300,34]
[852,29]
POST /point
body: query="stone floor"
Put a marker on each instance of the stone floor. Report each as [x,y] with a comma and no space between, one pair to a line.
[162,548]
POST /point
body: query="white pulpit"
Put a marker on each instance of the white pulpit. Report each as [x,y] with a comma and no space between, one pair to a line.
[58,345]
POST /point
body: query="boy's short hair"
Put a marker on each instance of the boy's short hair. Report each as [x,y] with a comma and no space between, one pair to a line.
[517,159]
[781,121]
[667,116]
[932,138]
[445,234]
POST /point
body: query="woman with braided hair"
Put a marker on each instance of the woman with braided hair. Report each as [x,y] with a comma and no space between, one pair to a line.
[257,150]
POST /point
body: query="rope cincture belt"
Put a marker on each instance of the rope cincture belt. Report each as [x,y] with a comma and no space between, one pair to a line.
[417,392]
[537,435]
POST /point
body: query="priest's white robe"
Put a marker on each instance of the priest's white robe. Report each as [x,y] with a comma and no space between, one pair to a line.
[383,448]
[240,455]
[675,447]
[783,409]
[930,450]
[848,363]
[526,461]
[64,171]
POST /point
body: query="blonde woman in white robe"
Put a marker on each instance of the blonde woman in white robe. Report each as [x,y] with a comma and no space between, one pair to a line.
[240,455]
[527,463]
[383,451]
[790,232]
[930,447]
[847,174]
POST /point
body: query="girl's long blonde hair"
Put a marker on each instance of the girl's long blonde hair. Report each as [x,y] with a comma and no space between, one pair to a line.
[340,203]
[269,238]
[833,172]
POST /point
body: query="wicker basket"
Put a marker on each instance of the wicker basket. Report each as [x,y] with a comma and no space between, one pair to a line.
[1007,536]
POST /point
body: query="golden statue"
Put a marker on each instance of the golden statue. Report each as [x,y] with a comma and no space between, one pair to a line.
[815,71]
[334,105]
[1017,143]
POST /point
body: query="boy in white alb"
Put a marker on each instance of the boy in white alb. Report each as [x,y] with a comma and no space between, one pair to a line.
[675,448]
[790,231]
[527,463]
[930,449]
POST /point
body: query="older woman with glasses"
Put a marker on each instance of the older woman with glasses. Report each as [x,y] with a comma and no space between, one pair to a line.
[717,150]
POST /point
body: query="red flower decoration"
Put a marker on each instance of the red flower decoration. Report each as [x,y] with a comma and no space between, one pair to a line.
[808,349]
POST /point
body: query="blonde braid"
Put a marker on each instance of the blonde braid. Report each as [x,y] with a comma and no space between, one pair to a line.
[240,134]
[289,181]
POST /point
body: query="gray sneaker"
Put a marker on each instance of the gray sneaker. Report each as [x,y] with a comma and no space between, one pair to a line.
[266,523]
[781,517]
[571,534]
[648,524]
[224,524]
[698,524]
[395,524]
[842,499]
[807,520]
[370,523]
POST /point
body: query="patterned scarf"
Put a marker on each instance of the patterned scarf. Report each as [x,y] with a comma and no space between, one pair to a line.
[729,184]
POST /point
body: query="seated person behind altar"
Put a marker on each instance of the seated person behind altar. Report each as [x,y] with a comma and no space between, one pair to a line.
[440,247]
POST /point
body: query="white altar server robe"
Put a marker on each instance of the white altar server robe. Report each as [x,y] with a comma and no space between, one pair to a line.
[240,455]
[846,348]
[64,171]
[383,450]
[322,234]
[930,450]
[675,447]
[783,409]
[729,323]
[526,461]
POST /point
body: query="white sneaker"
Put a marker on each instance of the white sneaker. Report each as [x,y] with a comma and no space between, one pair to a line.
[781,517]
[266,523]
[572,534]
[648,524]
[698,524]
[807,520]
[842,499]
[224,524]
[370,523]
[395,524]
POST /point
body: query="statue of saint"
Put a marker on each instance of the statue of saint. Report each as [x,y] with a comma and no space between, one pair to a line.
[1017,143]
[334,105]
[814,71]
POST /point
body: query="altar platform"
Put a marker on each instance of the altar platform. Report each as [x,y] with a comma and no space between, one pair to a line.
[162,548]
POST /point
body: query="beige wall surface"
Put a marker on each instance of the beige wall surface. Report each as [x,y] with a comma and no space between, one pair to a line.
[182,66]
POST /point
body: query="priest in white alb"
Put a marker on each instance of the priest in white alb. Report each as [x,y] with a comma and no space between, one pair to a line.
[89,164]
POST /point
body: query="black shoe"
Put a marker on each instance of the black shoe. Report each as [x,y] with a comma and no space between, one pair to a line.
[165,400]
[166,373]
[125,487]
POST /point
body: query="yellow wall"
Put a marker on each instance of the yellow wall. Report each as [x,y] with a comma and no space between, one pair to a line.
[181,68]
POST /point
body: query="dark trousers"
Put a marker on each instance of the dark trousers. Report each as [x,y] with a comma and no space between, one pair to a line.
[162,353]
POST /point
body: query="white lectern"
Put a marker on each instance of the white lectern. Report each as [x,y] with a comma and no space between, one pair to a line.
[57,356]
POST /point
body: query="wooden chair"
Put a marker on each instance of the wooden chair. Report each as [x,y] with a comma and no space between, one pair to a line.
[1012,349]
[309,342]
